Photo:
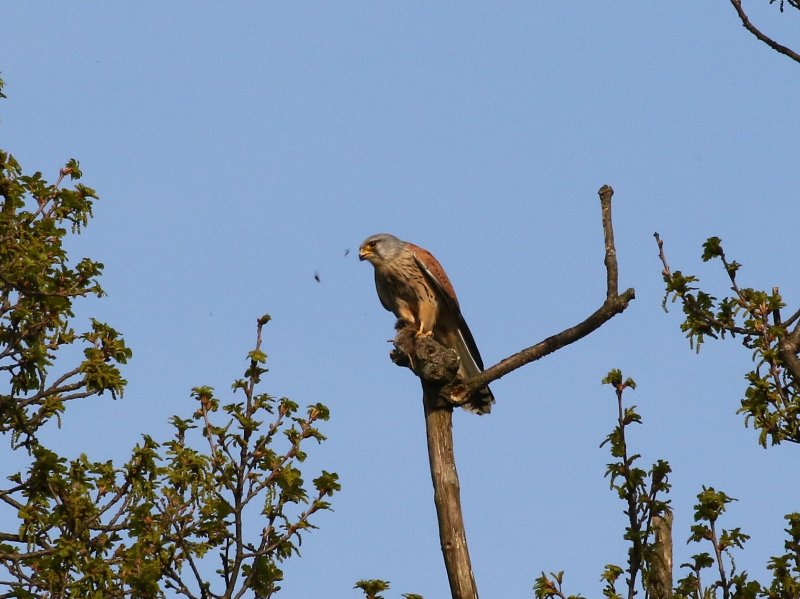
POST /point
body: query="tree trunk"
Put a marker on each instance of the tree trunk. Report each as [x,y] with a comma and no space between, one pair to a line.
[446,496]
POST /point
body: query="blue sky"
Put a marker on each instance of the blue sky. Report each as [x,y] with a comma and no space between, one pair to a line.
[240,150]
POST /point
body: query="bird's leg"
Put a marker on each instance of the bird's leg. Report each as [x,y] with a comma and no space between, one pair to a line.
[405,314]
[427,318]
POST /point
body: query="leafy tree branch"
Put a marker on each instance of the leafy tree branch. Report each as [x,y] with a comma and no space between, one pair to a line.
[373,587]
[641,491]
[226,494]
[772,398]
[710,574]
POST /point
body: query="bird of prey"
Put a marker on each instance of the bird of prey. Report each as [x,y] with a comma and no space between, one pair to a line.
[414,287]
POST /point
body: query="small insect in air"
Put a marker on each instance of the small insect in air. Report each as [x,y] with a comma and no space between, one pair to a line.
[346,252]
[316,277]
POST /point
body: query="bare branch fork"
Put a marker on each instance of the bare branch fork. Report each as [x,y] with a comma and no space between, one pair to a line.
[614,304]
[437,368]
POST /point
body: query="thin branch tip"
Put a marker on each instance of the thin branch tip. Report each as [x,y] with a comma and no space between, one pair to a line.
[612,273]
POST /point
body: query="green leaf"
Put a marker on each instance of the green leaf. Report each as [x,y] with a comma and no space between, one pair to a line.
[712,248]
[372,587]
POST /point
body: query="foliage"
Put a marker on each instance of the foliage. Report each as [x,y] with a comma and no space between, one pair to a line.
[372,588]
[548,587]
[245,498]
[226,488]
[39,286]
[640,490]
[772,398]
[649,553]
[786,568]
[711,505]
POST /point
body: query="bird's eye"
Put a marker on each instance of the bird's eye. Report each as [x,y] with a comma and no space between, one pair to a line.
[372,244]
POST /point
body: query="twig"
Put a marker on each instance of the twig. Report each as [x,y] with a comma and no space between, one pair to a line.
[688,300]
[788,322]
[665,271]
[723,579]
[737,5]
[631,495]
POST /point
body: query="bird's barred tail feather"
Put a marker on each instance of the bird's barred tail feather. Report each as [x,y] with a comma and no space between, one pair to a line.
[471,363]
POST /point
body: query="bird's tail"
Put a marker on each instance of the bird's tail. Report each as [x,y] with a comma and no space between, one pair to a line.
[482,399]
[480,402]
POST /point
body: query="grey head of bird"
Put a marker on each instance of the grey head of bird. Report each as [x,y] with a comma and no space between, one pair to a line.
[380,248]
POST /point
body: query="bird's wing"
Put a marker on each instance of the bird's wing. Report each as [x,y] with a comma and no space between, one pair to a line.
[466,348]
[435,273]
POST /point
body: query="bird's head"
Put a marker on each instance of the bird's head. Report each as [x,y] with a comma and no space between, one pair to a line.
[380,248]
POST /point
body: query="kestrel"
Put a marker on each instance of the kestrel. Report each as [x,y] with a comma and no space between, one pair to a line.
[414,287]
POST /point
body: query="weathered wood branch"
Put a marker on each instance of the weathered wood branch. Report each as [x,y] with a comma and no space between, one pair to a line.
[613,305]
[447,497]
[437,366]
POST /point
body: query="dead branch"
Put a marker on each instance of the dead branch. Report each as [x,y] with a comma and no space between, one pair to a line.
[447,496]
[737,5]
[613,305]
[437,366]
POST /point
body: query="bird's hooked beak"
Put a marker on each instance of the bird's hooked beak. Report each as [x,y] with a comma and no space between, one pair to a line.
[364,253]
